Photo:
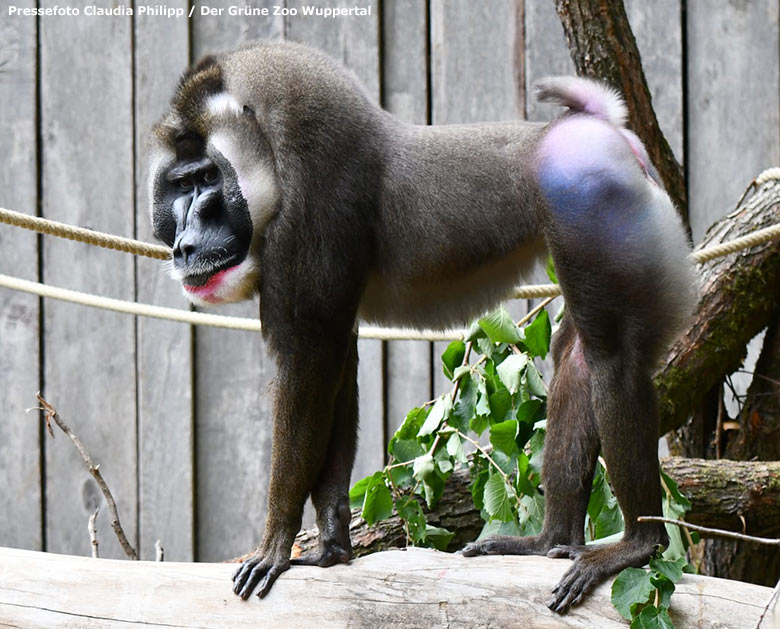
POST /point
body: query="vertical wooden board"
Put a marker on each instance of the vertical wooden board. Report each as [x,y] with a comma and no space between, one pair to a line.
[732,102]
[475,68]
[546,54]
[733,128]
[232,375]
[405,94]
[354,41]
[87,130]
[20,489]
[658,31]
[165,399]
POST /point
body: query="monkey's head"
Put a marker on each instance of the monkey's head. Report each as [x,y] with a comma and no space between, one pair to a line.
[212,188]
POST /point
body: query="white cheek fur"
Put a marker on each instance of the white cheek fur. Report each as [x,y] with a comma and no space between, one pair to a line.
[256,180]
[223,103]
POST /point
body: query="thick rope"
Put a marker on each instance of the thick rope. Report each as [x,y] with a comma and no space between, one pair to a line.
[80,234]
[160,252]
[200,318]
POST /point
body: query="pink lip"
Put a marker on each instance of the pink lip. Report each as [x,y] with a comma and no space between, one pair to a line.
[205,291]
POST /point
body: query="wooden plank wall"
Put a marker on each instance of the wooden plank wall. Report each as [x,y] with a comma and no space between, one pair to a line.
[180,417]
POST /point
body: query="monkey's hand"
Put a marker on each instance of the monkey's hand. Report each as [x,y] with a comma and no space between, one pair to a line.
[263,567]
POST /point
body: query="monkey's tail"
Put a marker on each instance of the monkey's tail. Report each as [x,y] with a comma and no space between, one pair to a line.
[584,96]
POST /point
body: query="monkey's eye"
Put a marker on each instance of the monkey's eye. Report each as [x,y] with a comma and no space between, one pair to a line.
[185,184]
[211,176]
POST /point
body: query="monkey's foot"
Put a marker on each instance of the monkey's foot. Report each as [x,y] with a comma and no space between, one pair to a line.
[592,565]
[330,554]
[507,545]
[261,568]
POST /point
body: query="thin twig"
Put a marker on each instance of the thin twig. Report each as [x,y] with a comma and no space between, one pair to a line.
[716,532]
[51,414]
[92,528]
[538,308]
[772,597]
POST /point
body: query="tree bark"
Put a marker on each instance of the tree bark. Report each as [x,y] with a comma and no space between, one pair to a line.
[603,47]
[722,494]
[739,294]
[758,437]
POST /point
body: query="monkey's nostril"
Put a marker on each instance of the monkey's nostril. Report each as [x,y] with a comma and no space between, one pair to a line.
[183,249]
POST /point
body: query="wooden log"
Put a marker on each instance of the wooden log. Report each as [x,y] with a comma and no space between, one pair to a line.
[741,496]
[413,588]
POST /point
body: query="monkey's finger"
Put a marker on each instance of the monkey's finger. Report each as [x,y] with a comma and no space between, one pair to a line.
[258,572]
[269,579]
[241,575]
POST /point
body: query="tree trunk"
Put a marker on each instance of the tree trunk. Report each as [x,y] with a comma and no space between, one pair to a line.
[416,588]
[722,494]
[739,294]
[758,437]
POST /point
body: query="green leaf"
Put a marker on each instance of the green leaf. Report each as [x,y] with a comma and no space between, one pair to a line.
[535,382]
[411,512]
[440,411]
[530,412]
[530,513]
[433,488]
[423,466]
[443,461]
[411,426]
[501,405]
[672,570]
[497,527]
[500,327]
[474,333]
[678,497]
[452,358]
[357,494]
[665,589]
[631,586]
[401,476]
[479,476]
[455,449]
[378,504]
[536,444]
[483,400]
[537,335]
[407,449]
[438,536]
[652,618]
[502,436]
[510,369]
[550,269]
[497,501]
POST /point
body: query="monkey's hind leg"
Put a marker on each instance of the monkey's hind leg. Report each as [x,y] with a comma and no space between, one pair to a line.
[571,449]
[331,491]
[625,404]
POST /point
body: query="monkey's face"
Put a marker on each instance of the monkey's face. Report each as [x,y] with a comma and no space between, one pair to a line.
[212,192]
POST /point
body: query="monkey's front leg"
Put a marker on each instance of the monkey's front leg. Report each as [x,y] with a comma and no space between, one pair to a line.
[306,387]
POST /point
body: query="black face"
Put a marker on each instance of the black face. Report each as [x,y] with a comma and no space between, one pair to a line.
[200,213]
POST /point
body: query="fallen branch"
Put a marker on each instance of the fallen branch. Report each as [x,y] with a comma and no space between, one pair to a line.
[711,532]
[50,413]
[414,588]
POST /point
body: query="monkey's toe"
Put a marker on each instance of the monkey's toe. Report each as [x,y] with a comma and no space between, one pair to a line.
[506,545]
[574,585]
[330,554]
[566,552]
[257,570]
